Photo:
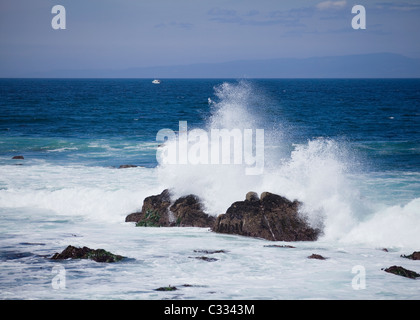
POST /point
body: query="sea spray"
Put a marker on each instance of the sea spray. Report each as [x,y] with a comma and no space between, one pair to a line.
[313,172]
[316,175]
[217,147]
[223,182]
[389,226]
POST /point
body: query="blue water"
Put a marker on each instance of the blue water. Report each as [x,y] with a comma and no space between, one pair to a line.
[348,149]
[379,118]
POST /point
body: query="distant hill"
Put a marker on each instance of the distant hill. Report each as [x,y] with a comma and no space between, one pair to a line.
[381,65]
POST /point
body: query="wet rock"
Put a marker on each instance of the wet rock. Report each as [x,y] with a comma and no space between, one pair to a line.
[168,288]
[279,246]
[400,271]
[18,158]
[124,166]
[210,251]
[98,255]
[134,217]
[159,211]
[272,217]
[154,212]
[204,258]
[316,256]
[414,256]
[252,196]
[188,212]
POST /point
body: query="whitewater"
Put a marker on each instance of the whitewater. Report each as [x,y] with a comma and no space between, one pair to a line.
[369,219]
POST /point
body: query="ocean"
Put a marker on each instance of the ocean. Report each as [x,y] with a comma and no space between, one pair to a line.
[349,150]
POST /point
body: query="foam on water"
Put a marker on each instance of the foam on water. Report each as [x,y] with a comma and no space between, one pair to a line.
[47,205]
[319,173]
[94,193]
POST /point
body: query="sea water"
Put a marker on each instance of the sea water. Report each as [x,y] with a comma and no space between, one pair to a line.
[349,150]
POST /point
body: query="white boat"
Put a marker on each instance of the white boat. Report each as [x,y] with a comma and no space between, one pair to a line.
[156,81]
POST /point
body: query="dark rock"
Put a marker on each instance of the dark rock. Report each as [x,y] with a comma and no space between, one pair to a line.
[252,196]
[158,211]
[18,158]
[210,251]
[205,259]
[188,212]
[414,256]
[279,246]
[272,217]
[316,256]
[154,212]
[168,288]
[400,271]
[123,166]
[134,217]
[98,255]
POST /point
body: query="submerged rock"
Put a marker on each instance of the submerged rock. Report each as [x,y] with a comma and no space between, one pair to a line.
[204,258]
[400,271]
[272,217]
[98,255]
[279,246]
[124,166]
[168,288]
[316,256]
[159,211]
[210,251]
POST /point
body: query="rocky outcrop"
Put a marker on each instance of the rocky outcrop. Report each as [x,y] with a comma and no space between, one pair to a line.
[98,255]
[400,271]
[414,256]
[154,212]
[270,217]
[188,212]
[159,211]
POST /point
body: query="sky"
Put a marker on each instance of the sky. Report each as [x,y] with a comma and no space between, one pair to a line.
[120,34]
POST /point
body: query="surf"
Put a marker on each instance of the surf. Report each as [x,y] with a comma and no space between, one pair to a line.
[319,173]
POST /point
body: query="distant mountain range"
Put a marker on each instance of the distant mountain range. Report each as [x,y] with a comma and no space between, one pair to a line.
[380,65]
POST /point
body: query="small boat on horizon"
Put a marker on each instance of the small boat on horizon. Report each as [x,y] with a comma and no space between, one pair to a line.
[156,81]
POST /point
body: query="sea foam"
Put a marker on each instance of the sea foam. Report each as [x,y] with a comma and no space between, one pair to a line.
[318,173]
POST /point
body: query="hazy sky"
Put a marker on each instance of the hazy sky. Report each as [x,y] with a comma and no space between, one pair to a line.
[111,34]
